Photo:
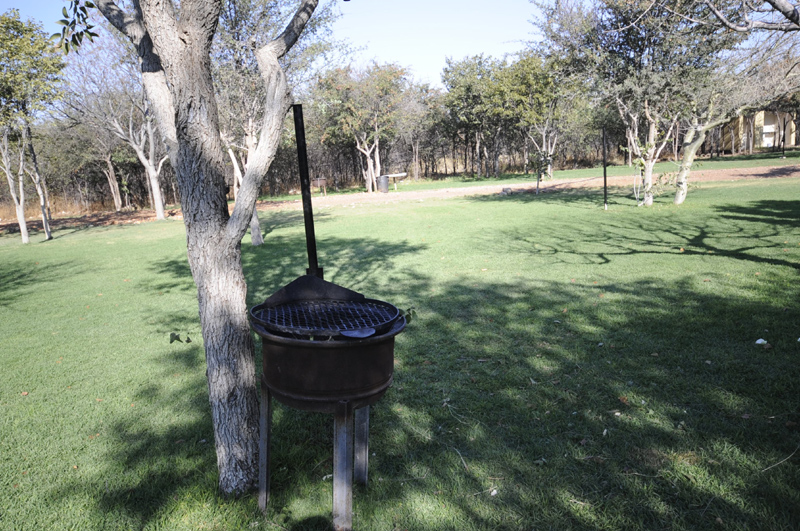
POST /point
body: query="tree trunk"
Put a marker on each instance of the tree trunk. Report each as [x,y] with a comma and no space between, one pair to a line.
[497,162]
[526,155]
[477,154]
[37,182]
[376,171]
[113,185]
[176,71]
[694,138]
[629,153]
[256,238]
[647,178]
[155,189]
[485,162]
[18,199]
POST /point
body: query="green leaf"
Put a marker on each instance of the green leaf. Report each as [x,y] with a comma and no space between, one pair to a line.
[64,12]
[63,22]
[89,5]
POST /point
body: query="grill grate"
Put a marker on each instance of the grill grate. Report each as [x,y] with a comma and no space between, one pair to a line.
[327,317]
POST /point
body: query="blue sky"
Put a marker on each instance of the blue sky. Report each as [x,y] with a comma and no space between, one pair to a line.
[418,34]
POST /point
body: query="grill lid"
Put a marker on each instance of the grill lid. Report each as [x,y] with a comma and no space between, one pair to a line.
[310,306]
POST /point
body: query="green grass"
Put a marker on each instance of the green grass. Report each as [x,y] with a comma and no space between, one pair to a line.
[677,421]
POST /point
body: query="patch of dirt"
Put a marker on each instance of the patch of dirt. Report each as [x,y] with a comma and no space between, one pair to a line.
[141,216]
[96,219]
[545,186]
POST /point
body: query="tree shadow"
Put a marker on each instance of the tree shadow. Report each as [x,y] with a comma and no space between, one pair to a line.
[561,193]
[358,264]
[18,279]
[504,388]
[748,233]
[519,404]
[779,212]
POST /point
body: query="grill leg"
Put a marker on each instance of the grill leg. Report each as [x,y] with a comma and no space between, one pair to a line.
[361,445]
[265,432]
[343,467]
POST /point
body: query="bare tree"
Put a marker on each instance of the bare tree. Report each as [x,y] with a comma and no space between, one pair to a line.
[28,79]
[749,15]
[111,100]
[754,77]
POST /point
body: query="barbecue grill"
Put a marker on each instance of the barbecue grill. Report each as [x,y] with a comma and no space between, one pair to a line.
[327,349]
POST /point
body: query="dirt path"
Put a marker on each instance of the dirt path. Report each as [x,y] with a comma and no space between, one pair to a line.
[593,182]
[140,216]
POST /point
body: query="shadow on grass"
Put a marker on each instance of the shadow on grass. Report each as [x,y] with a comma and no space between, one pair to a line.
[18,279]
[497,389]
[780,213]
[504,388]
[523,404]
[748,233]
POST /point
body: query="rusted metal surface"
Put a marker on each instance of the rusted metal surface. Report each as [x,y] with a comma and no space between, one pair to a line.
[315,375]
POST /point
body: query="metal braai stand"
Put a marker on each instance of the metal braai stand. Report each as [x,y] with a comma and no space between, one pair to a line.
[327,349]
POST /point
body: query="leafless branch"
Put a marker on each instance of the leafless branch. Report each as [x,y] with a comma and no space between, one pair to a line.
[286,40]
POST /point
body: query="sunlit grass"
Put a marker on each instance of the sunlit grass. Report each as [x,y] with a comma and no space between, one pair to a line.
[593,369]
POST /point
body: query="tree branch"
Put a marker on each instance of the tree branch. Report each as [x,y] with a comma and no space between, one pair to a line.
[284,42]
[276,105]
[153,77]
[785,8]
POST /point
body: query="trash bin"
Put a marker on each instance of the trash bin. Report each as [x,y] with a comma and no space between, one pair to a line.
[383,184]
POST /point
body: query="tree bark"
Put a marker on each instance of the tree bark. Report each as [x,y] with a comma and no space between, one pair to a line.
[478,153]
[18,199]
[256,238]
[177,59]
[113,185]
[694,138]
[36,177]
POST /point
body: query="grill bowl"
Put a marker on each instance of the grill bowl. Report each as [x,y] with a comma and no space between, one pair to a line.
[316,375]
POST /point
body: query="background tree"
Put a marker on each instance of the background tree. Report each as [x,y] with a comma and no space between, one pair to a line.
[648,63]
[469,83]
[544,92]
[416,122]
[29,75]
[755,77]
[363,105]
[104,92]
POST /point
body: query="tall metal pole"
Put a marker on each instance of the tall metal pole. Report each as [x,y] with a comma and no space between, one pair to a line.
[305,189]
[783,141]
[605,176]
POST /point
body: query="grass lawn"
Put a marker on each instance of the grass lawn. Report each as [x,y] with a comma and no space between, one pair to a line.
[570,368]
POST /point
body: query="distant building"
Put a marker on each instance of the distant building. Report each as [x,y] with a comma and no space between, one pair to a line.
[764,129]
